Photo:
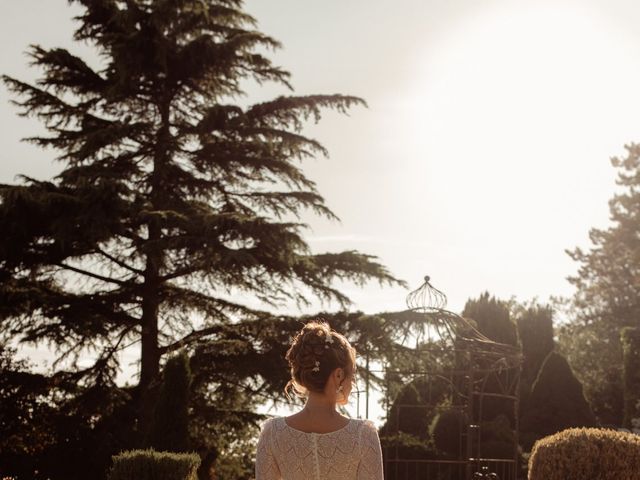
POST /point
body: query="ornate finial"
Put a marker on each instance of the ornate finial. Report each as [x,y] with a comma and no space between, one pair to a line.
[426,297]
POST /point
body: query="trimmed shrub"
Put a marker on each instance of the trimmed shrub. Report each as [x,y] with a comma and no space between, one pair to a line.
[415,406]
[152,465]
[630,338]
[586,454]
[497,438]
[447,429]
[556,403]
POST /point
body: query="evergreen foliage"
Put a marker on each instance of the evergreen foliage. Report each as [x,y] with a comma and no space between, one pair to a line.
[535,330]
[416,405]
[607,297]
[170,426]
[25,416]
[447,428]
[556,403]
[54,429]
[407,447]
[177,209]
[492,318]
[596,358]
[151,465]
[630,338]
[497,438]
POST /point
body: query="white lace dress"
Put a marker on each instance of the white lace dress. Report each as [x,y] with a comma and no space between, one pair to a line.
[351,453]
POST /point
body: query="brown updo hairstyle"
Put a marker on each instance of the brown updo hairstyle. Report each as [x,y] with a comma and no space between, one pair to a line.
[317,342]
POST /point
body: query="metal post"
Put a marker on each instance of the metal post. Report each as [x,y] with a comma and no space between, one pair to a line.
[366,414]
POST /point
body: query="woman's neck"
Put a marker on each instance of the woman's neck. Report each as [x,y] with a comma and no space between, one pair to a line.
[320,405]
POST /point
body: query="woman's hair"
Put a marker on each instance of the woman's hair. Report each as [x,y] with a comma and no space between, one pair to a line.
[315,352]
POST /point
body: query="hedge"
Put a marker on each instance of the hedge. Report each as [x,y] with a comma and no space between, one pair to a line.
[586,454]
[152,465]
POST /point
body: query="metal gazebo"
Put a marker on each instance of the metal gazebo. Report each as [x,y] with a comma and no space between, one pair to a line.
[452,401]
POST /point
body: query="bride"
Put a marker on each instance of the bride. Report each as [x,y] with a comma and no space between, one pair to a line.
[318,443]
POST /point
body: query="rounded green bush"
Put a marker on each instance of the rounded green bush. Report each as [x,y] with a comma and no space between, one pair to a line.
[446,430]
[586,454]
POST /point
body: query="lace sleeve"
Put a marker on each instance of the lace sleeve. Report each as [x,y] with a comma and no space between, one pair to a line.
[370,466]
[266,466]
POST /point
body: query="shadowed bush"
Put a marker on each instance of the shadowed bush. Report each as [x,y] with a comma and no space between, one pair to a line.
[498,439]
[152,465]
[169,431]
[415,406]
[586,454]
[447,428]
[556,402]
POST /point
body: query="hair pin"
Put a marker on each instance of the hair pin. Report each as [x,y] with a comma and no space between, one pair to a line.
[317,367]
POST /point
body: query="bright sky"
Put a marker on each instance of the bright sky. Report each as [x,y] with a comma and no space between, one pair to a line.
[484,152]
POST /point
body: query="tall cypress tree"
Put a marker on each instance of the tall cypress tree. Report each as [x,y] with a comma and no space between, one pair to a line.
[492,318]
[170,429]
[535,330]
[175,203]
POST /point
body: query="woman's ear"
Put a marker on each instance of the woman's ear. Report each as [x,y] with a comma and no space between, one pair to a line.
[339,375]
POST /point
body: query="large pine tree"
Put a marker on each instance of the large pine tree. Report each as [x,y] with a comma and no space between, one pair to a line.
[177,208]
[607,297]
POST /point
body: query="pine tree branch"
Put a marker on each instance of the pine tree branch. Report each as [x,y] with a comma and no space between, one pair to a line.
[181,272]
[188,339]
[122,283]
[120,262]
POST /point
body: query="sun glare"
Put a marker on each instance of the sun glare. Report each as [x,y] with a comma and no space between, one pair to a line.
[514,97]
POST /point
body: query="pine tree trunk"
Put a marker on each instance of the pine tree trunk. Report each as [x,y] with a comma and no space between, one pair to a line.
[150,354]
[149,357]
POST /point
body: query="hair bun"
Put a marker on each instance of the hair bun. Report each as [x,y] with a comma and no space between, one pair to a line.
[315,352]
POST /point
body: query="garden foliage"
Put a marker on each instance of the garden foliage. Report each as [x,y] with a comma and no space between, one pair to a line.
[630,339]
[152,465]
[586,453]
[607,295]
[170,427]
[556,403]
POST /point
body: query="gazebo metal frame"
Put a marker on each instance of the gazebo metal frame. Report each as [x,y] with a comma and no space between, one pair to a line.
[482,369]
